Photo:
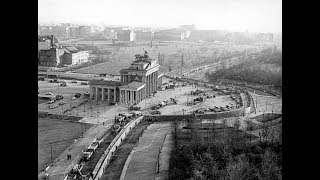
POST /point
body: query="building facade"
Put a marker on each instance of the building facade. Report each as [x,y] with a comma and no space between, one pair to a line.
[51,57]
[141,80]
[73,56]
[168,35]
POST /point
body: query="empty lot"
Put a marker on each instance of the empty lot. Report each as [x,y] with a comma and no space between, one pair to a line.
[60,133]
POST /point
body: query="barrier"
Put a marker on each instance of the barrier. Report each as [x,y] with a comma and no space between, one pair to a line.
[109,152]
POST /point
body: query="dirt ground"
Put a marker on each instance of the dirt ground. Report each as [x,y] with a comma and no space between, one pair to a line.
[59,131]
[144,156]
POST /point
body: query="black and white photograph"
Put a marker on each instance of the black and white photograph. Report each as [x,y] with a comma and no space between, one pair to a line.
[159,90]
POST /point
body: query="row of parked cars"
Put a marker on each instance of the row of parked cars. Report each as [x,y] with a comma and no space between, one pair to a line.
[75,172]
[228,107]
[58,97]
[91,149]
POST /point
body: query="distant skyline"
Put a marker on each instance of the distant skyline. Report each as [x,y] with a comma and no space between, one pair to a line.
[233,15]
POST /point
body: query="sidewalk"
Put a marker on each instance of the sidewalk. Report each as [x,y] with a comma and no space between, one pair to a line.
[61,165]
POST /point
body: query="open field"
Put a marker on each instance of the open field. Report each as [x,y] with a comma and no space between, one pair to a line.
[193,53]
[58,132]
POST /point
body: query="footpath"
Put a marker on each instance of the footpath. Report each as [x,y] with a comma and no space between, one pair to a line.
[61,166]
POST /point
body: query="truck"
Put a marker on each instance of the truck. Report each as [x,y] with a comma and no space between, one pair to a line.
[93,146]
[98,140]
[87,154]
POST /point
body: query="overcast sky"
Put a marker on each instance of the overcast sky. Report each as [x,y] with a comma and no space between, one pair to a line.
[234,15]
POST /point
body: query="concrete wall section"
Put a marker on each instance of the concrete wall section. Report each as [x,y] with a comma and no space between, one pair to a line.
[109,152]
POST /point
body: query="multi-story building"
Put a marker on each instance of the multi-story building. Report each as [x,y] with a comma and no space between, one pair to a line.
[73,56]
[125,35]
[84,31]
[139,81]
[51,57]
[143,35]
[46,42]
[208,35]
[168,35]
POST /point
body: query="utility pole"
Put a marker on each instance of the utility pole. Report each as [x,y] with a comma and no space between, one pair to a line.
[91,108]
[70,106]
[81,130]
[51,153]
[266,103]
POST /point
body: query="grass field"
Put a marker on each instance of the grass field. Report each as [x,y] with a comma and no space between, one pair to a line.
[60,134]
[193,54]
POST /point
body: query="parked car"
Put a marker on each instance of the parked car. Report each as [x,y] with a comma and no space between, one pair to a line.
[93,146]
[41,78]
[136,113]
[63,83]
[62,103]
[113,103]
[135,108]
[49,93]
[98,140]
[59,96]
[86,95]
[155,112]
[155,107]
[77,95]
[74,81]
[51,101]
[52,106]
[84,83]
[73,98]
[87,154]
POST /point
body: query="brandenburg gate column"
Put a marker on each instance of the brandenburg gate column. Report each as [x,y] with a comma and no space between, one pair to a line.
[97,93]
[108,94]
[102,98]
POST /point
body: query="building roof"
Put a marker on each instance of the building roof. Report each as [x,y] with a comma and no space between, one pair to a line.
[105,82]
[66,50]
[133,85]
[72,49]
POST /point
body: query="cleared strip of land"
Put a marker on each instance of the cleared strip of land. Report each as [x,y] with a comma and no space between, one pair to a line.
[144,156]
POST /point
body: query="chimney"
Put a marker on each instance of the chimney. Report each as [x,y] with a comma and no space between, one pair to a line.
[52,39]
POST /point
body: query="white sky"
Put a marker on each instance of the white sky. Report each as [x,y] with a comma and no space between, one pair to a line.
[234,15]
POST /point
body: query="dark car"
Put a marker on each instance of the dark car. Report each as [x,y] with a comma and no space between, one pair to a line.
[73,81]
[155,112]
[77,95]
[113,103]
[84,83]
[59,96]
